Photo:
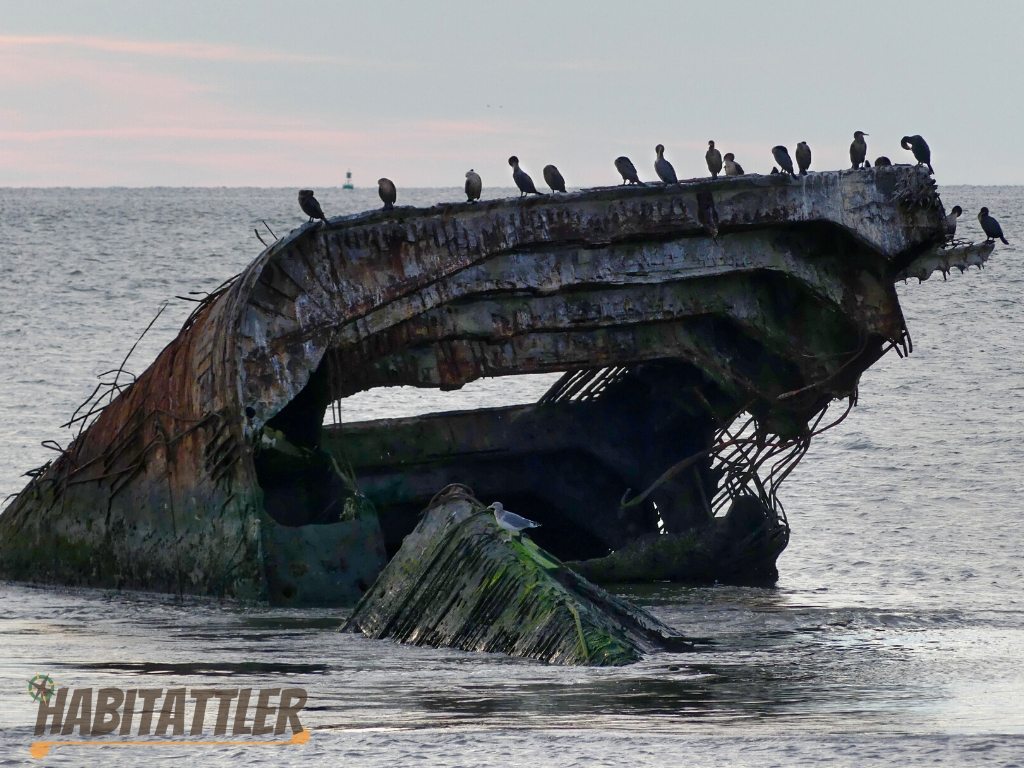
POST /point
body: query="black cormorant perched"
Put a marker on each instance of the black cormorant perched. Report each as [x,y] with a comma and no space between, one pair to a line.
[781,155]
[554,179]
[732,168]
[522,178]
[990,226]
[627,171]
[474,186]
[714,158]
[803,157]
[919,147]
[858,149]
[310,206]
[954,214]
[663,167]
[388,193]
[883,162]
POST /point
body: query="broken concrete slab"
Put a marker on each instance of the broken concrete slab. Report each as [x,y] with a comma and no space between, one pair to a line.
[460,581]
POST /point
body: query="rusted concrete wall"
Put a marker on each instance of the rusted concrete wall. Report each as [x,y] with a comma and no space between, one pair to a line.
[161,491]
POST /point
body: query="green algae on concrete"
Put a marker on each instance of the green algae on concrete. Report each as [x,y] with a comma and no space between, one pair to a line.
[460,581]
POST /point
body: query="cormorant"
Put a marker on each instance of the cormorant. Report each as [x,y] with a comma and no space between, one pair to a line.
[919,147]
[883,162]
[991,227]
[663,167]
[803,157]
[522,178]
[310,206]
[554,179]
[781,155]
[388,193]
[627,170]
[474,186]
[954,213]
[732,168]
[858,149]
[714,158]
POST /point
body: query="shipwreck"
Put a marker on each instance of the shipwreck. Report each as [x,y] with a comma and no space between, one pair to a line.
[706,331]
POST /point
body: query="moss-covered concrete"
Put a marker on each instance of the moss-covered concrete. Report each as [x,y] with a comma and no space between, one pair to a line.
[461,581]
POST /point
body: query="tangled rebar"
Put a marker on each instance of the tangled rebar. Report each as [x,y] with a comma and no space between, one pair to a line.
[739,455]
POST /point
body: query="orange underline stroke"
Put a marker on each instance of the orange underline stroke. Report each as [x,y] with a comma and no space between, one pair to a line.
[40,749]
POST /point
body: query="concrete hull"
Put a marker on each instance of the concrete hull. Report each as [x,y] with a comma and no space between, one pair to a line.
[758,295]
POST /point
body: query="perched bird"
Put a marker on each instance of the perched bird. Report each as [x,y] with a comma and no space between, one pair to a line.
[554,179]
[919,147]
[510,521]
[732,168]
[883,162]
[803,157]
[858,149]
[627,170]
[955,212]
[474,186]
[991,227]
[310,206]
[522,178]
[388,193]
[714,158]
[663,167]
[781,155]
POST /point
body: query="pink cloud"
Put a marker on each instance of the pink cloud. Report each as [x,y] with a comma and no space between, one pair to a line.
[239,133]
[172,49]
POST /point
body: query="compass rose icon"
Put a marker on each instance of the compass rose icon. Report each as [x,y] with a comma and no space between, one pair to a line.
[42,687]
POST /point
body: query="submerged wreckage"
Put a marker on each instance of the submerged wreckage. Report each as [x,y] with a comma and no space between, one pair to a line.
[703,330]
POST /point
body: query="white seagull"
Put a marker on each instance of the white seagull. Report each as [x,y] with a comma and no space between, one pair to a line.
[510,521]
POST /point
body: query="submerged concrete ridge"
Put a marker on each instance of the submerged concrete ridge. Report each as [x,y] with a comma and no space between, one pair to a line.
[212,473]
[461,581]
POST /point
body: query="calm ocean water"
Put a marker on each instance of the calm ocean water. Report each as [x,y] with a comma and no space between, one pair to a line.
[895,636]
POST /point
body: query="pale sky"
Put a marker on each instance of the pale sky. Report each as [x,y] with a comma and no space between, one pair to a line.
[294,93]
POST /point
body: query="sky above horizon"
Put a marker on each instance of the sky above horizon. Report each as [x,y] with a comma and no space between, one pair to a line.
[256,93]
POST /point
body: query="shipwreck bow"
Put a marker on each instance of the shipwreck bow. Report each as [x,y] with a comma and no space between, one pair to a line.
[673,311]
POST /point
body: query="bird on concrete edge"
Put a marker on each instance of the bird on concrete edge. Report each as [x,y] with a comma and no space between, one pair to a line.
[921,150]
[388,193]
[553,178]
[858,149]
[663,167]
[627,170]
[803,157]
[732,168]
[990,227]
[781,155]
[522,178]
[714,160]
[510,521]
[474,186]
[310,206]
[955,212]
